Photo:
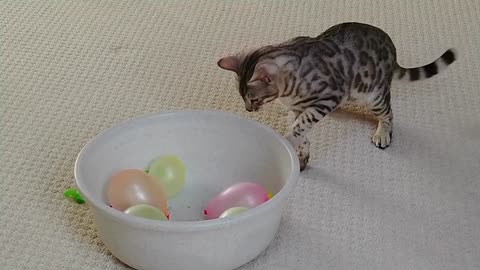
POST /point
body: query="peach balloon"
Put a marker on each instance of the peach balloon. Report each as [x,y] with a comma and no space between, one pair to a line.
[130,187]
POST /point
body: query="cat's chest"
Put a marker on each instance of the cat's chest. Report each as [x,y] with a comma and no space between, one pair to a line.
[285,101]
[361,98]
[291,102]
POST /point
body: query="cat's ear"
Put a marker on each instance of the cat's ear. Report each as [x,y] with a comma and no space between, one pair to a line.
[231,63]
[265,72]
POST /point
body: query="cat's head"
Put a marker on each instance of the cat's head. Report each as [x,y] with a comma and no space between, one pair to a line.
[257,80]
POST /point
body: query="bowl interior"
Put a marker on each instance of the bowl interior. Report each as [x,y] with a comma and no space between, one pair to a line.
[218,150]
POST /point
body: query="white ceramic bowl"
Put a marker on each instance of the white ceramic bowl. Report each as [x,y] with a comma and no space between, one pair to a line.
[218,150]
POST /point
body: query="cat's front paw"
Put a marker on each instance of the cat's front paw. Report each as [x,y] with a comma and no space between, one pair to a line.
[303,160]
[382,138]
[303,152]
[302,148]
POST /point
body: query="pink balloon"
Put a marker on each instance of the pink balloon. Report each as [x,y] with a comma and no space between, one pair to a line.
[244,194]
[130,187]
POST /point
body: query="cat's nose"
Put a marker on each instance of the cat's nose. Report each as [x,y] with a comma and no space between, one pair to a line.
[252,108]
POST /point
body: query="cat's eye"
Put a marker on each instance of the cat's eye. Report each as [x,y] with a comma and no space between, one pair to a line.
[254,100]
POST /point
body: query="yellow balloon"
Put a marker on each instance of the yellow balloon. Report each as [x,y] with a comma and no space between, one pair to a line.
[169,172]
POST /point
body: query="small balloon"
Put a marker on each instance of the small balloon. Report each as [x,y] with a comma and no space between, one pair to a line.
[233,212]
[130,187]
[146,211]
[243,194]
[169,172]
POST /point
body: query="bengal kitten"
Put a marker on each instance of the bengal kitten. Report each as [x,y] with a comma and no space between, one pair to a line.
[312,76]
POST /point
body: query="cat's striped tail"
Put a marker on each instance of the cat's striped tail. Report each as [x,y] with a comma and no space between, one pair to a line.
[427,71]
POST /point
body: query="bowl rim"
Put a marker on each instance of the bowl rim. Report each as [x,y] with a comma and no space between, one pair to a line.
[187,226]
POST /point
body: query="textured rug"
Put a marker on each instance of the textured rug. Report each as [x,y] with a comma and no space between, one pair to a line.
[69,69]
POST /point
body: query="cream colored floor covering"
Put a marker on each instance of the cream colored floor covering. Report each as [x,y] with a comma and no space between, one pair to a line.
[69,69]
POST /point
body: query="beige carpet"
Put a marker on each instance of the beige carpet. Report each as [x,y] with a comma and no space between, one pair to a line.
[69,69]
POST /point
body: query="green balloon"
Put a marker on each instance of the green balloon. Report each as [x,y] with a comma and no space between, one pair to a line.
[169,171]
[74,195]
[146,211]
